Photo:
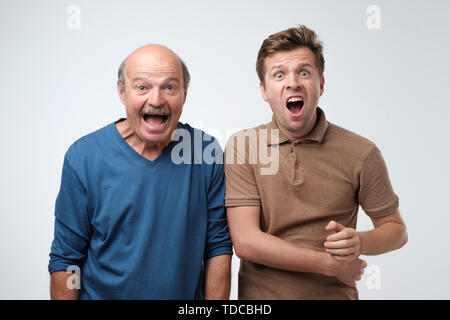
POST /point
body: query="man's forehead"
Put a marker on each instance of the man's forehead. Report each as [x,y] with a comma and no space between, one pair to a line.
[149,76]
[146,68]
[299,56]
[147,61]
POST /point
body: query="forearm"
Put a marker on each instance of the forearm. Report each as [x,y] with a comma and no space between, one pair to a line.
[384,238]
[59,289]
[218,278]
[266,249]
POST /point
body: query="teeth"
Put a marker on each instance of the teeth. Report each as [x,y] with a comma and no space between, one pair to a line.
[155,113]
[295,99]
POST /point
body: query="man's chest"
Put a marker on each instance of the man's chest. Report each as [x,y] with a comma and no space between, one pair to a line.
[308,185]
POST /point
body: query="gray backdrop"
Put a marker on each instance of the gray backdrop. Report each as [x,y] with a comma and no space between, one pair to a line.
[386,78]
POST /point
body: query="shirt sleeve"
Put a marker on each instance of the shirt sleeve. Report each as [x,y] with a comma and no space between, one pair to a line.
[241,186]
[72,228]
[218,240]
[376,195]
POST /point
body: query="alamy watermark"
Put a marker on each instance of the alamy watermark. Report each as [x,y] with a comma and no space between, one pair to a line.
[73,21]
[74,280]
[373,281]
[247,147]
[374,19]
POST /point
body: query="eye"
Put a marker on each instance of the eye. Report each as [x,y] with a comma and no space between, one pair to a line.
[141,88]
[304,73]
[278,75]
[170,87]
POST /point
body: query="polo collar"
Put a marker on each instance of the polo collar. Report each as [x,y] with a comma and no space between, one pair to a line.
[315,135]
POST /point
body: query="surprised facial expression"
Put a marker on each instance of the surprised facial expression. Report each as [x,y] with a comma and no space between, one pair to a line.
[292,87]
[153,94]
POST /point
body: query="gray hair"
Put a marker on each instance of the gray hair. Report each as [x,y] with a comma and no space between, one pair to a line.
[121,74]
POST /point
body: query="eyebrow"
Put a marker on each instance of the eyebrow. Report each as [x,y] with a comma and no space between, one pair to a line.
[303,64]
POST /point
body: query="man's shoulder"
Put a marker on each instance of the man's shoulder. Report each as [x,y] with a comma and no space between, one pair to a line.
[346,134]
[188,127]
[348,140]
[245,143]
[89,143]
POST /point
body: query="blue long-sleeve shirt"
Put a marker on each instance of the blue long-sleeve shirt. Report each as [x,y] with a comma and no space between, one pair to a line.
[139,229]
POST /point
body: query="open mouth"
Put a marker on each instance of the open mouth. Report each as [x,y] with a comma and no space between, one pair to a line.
[155,120]
[155,117]
[295,104]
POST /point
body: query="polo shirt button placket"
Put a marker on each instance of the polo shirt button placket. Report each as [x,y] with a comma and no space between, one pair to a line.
[297,176]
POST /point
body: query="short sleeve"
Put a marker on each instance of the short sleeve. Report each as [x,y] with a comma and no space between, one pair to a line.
[241,186]
[376,195]
[72,227]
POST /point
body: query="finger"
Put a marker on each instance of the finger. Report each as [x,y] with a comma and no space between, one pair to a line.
[334,226]
[343,258]
[341,252]
[341,244]
[344,234]
[330,226]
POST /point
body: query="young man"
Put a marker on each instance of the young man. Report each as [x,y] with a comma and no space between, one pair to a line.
[294,229]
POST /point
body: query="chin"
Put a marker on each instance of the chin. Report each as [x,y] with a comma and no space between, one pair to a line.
[157,138]
[156,135]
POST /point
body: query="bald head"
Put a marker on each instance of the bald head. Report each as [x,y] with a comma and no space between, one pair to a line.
[156,53]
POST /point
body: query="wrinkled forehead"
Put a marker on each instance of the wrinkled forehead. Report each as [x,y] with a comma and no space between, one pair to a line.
[147,63]
[299,56]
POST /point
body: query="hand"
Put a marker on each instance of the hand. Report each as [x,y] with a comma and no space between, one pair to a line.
[344,244]
[347,272]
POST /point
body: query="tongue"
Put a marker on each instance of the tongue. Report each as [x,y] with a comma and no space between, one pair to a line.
[295,108]
[154,120]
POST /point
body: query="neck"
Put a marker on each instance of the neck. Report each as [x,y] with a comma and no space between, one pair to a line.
[148,150]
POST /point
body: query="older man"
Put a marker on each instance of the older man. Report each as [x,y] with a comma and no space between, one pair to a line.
[135,223]
[294,229]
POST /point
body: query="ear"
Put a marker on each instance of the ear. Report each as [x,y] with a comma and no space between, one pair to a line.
[322,85]
[121,93]
[263,91]
[185,95]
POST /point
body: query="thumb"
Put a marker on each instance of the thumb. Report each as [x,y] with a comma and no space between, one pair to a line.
[334,226]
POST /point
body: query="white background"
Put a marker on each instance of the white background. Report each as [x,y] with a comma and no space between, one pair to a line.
[388,84]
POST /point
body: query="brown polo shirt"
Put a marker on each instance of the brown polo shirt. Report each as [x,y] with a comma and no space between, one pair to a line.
[323,176]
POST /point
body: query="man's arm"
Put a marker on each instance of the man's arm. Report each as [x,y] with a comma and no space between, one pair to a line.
[251,244]
[389,234]
[71,233]
[375,197]
[218,277]
[59,289]
[346,244]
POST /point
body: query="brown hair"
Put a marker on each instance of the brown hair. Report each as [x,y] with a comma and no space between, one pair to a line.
[290,39]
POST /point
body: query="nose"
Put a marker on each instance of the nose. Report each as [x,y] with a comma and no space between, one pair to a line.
[155,98]
[292,81]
